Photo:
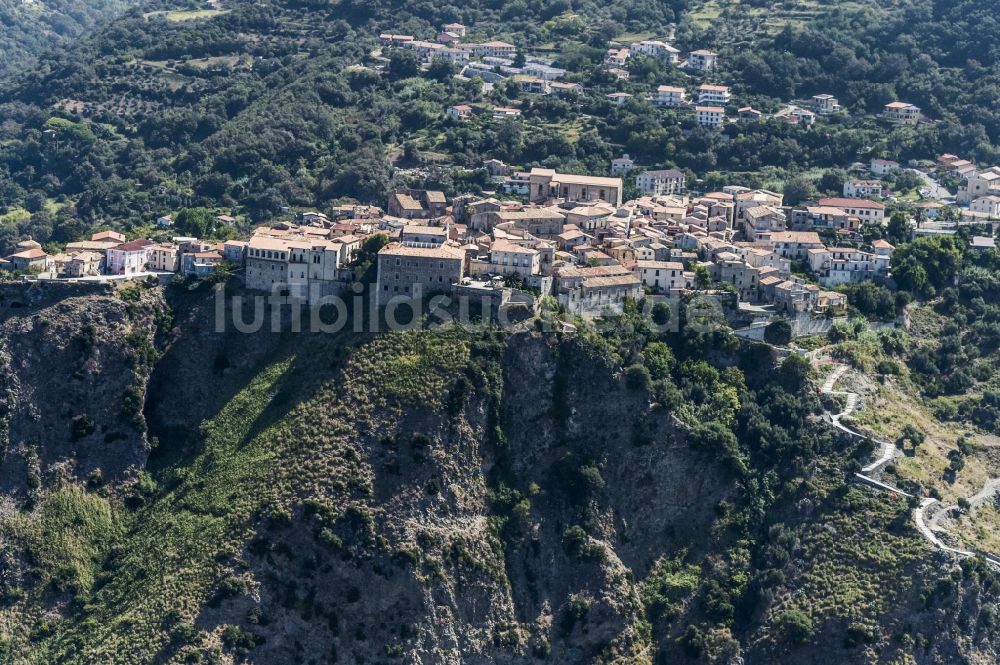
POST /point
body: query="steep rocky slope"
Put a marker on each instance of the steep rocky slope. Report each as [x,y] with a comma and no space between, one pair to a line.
[438,497]
[73,368]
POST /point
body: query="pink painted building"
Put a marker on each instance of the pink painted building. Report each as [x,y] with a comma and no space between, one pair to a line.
[129,258]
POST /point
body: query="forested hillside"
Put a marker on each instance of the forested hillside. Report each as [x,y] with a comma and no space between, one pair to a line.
[29,28]
[253,106]
[940,55]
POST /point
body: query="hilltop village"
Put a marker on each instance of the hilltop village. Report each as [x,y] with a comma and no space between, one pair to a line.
[590,242]
[568,236]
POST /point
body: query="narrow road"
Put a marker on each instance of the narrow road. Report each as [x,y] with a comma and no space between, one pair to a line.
[887,453]
[936,189]
[989,491]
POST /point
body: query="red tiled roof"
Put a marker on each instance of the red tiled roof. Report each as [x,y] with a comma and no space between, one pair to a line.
[133,246]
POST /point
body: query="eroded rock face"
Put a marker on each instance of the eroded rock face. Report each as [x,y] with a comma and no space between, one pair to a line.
[435,556]
[421,499]
[73,371]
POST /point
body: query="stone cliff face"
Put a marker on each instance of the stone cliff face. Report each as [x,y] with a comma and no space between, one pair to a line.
[507,515]
[422,498]
[73,370]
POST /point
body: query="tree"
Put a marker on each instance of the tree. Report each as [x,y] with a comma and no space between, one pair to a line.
[403,63]
[898,228]
[658,359]
[912,434]
[833,181]
[702,278]
[799,189]
[794,626]
[637,378]
[715,438]
[778,332]
[371,246]
[872,300]
[196,222]
[795,372]
[927,265]
[441,69]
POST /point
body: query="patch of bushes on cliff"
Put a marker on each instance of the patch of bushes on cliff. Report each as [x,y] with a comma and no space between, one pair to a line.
[668,585]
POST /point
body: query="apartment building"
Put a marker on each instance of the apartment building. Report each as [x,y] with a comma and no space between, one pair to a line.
[532,85]
[986,206]
[983,183]
[621,164]
[901,113]
[408,271]
[863,189]
[494,49]
[459,112]
[296,266]
[423,235]
[426,51]
[746,199]
[538,221]
[824,217]
[661,183]
[869,212]
[710,116]
[558,88]
[417,204]
[662,276]
[507,258]
[881,167]
[655,49]
[795,297]
[617,57]
[825,104]
[760,222]
[729,268]
[670,95]
[128,258]
[163,258]
[844,265]
[713,95]
[597,291]
[794,244]
[702,60]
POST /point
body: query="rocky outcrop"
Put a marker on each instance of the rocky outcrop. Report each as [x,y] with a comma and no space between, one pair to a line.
[73,370]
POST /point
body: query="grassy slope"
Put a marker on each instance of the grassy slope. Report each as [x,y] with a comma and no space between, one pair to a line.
[261,454]
[891,402]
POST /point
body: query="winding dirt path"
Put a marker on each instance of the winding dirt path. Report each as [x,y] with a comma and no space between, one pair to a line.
[887,452]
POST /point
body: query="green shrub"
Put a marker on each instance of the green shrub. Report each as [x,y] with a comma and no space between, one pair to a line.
[778,332]
[793,626]
[577,610]
[82,426]
[637,378]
